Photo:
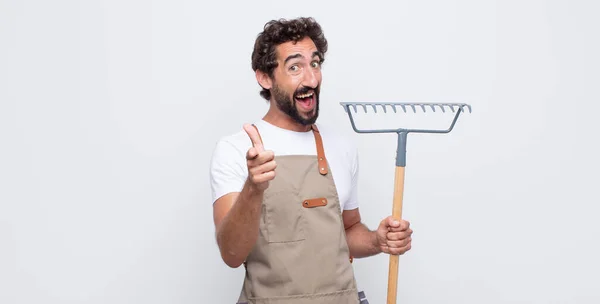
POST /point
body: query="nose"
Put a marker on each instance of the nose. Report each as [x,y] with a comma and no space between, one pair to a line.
[311,78]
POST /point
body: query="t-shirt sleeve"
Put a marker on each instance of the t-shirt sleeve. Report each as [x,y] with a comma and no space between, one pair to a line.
[228,171]
[352,202]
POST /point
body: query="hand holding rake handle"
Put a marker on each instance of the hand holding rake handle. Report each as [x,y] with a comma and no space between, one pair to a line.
[400,161]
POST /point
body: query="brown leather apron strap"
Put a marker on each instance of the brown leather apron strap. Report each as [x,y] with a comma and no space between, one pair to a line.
[320,151]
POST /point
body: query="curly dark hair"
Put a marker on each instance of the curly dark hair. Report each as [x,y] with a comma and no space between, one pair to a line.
[280,31]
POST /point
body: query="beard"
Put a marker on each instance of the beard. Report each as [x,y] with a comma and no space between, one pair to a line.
[287,104]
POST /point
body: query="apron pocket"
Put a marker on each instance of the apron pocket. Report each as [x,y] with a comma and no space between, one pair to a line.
[283,219]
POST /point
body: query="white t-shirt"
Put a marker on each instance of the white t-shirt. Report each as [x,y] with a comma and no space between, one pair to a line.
[228,170]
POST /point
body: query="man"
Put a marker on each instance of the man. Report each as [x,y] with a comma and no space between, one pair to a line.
[284,189]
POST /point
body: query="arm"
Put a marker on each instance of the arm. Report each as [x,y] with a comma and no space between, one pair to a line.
[362,242]
[237,217]
[237,214]
[391,237]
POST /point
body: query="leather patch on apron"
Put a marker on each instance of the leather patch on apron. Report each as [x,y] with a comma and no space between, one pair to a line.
[315,202]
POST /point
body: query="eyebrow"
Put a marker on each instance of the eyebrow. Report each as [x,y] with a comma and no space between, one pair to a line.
[292,57]
[315,53]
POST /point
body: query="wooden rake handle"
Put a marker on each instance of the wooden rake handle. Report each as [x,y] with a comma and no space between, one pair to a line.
[397,215]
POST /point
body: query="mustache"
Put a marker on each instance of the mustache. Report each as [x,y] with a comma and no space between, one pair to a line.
[304,90]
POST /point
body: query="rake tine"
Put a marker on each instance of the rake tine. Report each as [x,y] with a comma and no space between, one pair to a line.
[461,107]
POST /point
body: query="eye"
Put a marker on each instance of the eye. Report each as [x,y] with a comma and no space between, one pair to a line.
[315,64]
[294,68]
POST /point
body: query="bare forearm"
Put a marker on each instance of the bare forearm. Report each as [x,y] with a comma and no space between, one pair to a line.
[362,242]
[237,233]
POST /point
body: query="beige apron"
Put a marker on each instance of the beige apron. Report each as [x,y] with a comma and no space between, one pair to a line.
[301,255]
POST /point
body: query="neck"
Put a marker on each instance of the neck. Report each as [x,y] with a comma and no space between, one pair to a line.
[277,118]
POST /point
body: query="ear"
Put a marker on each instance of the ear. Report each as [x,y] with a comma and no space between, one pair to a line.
[264,80]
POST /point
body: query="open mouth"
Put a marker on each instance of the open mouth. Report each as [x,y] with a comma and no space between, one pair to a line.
[306,100]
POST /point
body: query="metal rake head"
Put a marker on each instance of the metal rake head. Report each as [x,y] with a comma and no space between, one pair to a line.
[402,133]
[354,106]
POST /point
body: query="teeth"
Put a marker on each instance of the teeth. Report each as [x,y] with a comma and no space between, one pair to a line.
[304,95]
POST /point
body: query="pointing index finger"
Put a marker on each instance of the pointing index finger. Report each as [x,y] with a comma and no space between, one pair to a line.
[254,137]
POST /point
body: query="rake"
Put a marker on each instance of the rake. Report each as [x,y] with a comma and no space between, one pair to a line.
[456,108]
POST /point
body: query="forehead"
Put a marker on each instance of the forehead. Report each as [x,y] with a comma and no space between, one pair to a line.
[305,47]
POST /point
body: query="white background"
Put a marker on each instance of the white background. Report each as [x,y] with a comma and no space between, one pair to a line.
[109,111]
